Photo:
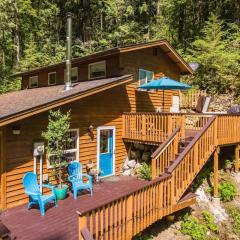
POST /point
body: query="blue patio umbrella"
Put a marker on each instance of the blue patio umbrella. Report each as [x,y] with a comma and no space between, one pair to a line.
[165,83]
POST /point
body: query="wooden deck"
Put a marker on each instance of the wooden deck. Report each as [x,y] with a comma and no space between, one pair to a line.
[61,223]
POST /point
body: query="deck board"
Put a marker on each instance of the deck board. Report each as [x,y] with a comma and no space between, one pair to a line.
[62,222]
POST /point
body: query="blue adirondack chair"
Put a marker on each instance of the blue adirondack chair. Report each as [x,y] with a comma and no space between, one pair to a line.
[32,189]
[76,178]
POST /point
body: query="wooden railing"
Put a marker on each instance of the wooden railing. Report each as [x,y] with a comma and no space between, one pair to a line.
[228,129]
[156,127]
[165,153]
[189,99]
[129,214]
[196,121]
[191,160]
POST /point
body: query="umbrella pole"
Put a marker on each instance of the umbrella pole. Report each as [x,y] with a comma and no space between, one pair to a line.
[163,102]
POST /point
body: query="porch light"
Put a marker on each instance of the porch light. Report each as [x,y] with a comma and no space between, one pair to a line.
[16,130]
[90,129]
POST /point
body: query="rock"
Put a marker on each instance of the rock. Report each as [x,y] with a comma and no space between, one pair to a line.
[127,172]
[138,165]
[131,163]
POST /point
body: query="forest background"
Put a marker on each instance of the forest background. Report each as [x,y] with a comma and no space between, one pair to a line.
[207,32]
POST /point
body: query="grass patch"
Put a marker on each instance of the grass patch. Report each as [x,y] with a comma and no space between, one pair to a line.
[234,213]
[198,229]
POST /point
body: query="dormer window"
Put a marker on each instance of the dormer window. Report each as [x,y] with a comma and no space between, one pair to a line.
[52,78]
[97,70]
[33,82]
[74,75]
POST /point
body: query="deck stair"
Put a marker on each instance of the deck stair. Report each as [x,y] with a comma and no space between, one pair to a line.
[175,164]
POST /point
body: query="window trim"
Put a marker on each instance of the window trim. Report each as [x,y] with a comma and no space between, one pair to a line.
[29,83]
[49,166]
[55,78]
[95,63]
[139,80]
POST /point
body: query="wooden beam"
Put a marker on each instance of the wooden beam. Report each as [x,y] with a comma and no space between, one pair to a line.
[215,185]
[237,158]
[3,167]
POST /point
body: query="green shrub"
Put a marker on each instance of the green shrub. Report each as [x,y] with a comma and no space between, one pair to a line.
[209,220]
[145,171]
[227,191]
[235,214]
[192,227]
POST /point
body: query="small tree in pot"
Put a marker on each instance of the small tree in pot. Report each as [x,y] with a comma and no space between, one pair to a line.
[57,139]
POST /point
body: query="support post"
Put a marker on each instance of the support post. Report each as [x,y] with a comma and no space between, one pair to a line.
[215,186]
[237,158]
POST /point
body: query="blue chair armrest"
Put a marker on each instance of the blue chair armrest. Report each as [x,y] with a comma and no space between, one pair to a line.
[32,193]
[71,178]
[48,186]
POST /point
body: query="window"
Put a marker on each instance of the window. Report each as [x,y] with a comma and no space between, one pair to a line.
[52,78]
[145,76]
[74,76]
[97,70]
[104,141]
[33,82]
[71,148]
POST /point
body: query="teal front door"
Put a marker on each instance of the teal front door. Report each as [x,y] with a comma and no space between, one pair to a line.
[106,151]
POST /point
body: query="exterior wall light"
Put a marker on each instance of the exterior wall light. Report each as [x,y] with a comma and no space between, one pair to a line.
[90,131]
[16,130]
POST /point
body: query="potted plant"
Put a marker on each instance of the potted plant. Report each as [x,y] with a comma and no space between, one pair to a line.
[57,139]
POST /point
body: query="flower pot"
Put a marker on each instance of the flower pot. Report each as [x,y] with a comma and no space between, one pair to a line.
[61,193]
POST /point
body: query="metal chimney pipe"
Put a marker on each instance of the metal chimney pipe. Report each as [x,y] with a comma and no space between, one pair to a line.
[68,82]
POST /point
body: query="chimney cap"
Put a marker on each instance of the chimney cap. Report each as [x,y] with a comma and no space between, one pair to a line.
[69,14]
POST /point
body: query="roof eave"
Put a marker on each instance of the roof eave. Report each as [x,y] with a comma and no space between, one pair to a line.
[57,103]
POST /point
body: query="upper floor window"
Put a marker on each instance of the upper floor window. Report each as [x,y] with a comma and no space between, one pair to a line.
[33,82]
[145,76]
[74,75]
[71,152]
[52,78]
[97,70]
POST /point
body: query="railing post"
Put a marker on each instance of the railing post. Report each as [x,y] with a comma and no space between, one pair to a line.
[82,223]
[169,123]
[144,126]
[237,158]
[129,230]
[154,161]
[183,126]
[215,129]
[215,185]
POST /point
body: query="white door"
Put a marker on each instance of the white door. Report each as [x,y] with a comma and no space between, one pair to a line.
[175,104]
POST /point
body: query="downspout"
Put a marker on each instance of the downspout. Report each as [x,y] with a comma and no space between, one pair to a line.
[68,82]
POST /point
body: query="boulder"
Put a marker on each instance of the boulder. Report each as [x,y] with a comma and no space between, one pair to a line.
[127,172]
[131,163]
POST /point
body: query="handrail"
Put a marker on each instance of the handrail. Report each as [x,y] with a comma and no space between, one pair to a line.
[164,145]
[191,144]
[165,153]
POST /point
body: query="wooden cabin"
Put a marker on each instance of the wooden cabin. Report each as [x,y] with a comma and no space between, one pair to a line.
[104,87]
[109,113]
